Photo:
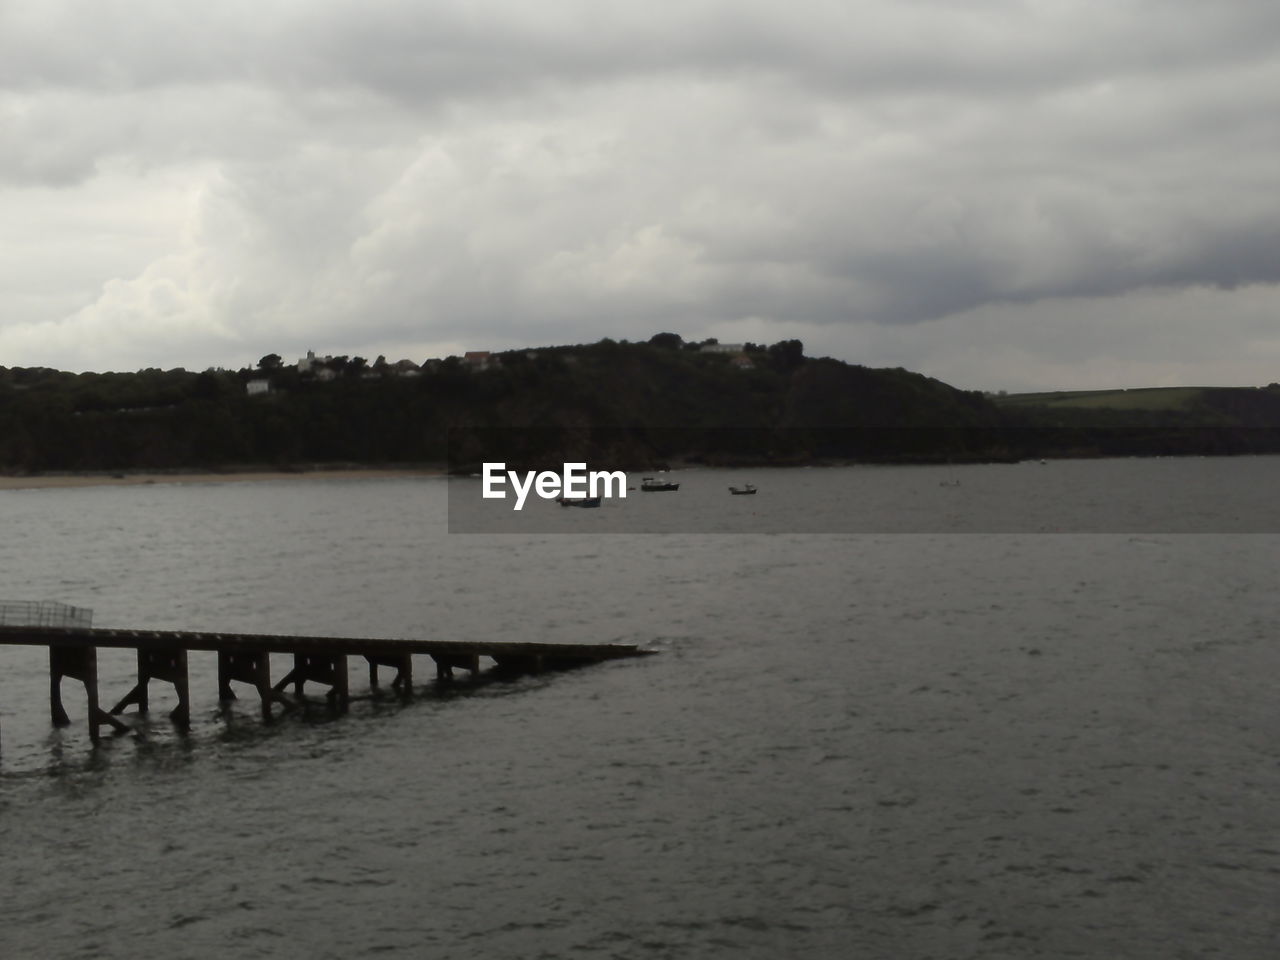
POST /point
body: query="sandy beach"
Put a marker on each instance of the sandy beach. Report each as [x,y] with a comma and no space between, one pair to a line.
[91,479]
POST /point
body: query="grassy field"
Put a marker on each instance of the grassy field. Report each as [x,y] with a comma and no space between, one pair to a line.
[1151,398]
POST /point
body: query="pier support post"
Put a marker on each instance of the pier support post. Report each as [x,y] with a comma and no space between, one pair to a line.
[331,670]
[253,669]
[445,662]
[403,663]
[170,665]
[78,663]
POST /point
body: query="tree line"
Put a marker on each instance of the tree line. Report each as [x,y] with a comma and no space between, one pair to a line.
[631,405]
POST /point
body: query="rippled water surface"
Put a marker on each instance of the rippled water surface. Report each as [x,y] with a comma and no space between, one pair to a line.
[891,745]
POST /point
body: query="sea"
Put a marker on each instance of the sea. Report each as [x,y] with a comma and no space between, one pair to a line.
[1014,711]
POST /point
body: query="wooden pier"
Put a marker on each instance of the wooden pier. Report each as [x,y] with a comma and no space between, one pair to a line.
[245,658]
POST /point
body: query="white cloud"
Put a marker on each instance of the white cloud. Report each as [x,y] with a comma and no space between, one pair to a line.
[203,184]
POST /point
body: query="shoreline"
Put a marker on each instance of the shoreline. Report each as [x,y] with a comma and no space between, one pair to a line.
[246,474]
[92,478]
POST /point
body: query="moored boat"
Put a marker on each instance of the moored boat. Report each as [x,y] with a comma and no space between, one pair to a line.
[578,501]
[652,485]
[743,490]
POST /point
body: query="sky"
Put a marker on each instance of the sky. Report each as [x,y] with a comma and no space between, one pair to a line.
[1002,194]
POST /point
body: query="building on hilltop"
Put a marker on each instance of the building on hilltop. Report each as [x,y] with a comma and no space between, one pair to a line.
[737,353]
[322,368]
[309,363]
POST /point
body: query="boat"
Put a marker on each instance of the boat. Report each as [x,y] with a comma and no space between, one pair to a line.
[578,501]
[743,490]
[651,485]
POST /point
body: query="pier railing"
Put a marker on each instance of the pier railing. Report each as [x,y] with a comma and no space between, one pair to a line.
[43,613]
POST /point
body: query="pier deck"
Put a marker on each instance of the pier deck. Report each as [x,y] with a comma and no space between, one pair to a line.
[245,658]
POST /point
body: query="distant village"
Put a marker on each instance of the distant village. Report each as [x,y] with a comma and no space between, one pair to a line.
[326,368]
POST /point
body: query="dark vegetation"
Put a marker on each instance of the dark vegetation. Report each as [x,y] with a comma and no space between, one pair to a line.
[633,405]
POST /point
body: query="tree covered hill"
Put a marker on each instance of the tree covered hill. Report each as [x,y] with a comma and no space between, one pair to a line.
[633,405]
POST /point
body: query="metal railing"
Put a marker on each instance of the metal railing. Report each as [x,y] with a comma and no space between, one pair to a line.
[43,613]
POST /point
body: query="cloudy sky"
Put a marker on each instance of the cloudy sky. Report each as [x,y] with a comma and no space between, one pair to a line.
[1004,194]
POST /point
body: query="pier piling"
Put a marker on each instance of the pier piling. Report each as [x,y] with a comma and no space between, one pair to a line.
[251,668]
[445,662]
[403,664]
[170,665]
[331,670]
[78,663]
